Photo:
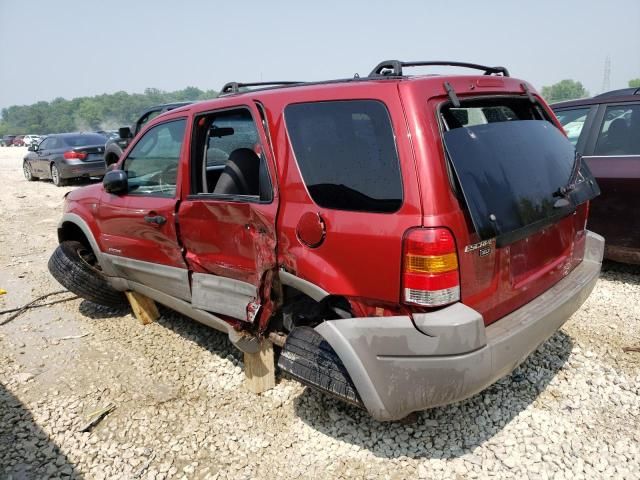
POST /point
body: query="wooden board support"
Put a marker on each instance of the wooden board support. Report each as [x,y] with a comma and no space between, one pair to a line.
[143,307]
[260,368]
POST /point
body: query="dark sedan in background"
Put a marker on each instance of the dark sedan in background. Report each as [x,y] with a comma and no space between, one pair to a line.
[606,130]
[63,156]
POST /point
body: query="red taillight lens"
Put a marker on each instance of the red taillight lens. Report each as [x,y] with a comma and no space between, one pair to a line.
[430,272]
[71,155]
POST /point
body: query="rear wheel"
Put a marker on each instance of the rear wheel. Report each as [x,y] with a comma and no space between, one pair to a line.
[28,173]
[57,180]
[76,267]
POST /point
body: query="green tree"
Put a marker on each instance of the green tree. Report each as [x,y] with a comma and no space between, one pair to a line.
[564,90]
[104,112]
[634,83]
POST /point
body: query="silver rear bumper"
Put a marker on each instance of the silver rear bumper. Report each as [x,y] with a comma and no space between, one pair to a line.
[398,367]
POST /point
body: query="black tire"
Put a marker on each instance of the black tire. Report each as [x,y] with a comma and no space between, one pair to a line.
[307,357]
[76,268]
[57,180]
[28,173]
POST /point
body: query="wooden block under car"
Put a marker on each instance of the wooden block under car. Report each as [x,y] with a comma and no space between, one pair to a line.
[260,369]
[143,307]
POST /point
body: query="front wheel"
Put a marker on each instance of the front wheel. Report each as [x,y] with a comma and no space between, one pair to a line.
[76,267]
[28,173]
[57,180]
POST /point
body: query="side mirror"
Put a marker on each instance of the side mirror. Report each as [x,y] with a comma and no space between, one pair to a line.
[125,133]
[31,148]
[115,182]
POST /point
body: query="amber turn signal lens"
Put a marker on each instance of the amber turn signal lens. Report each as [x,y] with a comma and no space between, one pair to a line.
[431,263]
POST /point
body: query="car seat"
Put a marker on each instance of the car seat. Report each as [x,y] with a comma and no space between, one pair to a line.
[240,175]
[617,138]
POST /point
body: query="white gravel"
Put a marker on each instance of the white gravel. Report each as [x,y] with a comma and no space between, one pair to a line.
[572,410]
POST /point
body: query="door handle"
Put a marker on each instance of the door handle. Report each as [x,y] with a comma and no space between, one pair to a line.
[157,219]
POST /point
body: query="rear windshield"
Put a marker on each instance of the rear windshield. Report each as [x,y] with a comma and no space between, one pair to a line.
[347,154]
[511,165]
[83,140]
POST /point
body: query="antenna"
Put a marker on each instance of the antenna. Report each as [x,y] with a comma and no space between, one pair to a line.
[606,79]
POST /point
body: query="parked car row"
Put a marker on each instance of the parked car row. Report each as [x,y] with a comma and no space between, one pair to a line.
[20,140]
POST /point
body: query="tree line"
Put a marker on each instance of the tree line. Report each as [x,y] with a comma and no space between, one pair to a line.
[110,111]
[572,90]
[100,112]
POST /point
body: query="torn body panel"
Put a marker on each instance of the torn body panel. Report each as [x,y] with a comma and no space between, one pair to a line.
[230,248]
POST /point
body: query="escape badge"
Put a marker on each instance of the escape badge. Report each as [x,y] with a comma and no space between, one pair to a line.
[483,248]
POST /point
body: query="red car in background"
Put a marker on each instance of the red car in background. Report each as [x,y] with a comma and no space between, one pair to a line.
[606,130]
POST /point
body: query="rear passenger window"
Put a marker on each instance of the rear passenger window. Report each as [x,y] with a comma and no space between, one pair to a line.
[347,154]
[620,131]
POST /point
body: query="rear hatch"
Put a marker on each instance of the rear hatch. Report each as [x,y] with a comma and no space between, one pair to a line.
[525,197]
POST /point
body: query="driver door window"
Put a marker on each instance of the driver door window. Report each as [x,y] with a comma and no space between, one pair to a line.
[152,164]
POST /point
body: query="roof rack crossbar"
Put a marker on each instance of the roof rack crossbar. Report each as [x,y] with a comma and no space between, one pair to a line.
[234,87]
[394,67]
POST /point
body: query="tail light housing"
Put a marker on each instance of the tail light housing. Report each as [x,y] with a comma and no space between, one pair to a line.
[430,275]
[71,155]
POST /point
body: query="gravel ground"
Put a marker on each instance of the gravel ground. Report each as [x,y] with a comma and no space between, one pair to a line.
[572,410]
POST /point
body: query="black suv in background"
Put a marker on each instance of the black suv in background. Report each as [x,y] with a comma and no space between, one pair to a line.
[115,146]
[606,130]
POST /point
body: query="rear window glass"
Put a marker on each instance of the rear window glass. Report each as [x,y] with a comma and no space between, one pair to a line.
[573,122]
[82,140]
[347,154]
[511,165]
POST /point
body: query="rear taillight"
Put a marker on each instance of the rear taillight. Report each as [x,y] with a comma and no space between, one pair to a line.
[430,271]
[71,155]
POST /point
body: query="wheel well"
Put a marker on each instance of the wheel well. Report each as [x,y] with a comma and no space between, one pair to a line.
[71,231]
[300,309]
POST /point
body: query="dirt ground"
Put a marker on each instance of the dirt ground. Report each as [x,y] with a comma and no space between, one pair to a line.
[181,410]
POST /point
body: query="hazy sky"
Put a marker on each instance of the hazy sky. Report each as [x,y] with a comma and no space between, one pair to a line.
[71,48]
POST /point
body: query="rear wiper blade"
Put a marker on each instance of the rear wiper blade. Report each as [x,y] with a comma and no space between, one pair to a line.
[564,191]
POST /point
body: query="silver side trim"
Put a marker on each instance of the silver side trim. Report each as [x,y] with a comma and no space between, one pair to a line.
[244,343]
[227,296]
[306,287]
[171,280]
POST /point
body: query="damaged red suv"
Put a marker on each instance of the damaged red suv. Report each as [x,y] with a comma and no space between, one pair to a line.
[407,240]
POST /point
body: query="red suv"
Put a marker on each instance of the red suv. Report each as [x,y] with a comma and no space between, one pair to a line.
[407,240]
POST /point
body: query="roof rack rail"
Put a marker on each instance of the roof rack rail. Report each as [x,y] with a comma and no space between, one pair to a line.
[234,87]
[394,67]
